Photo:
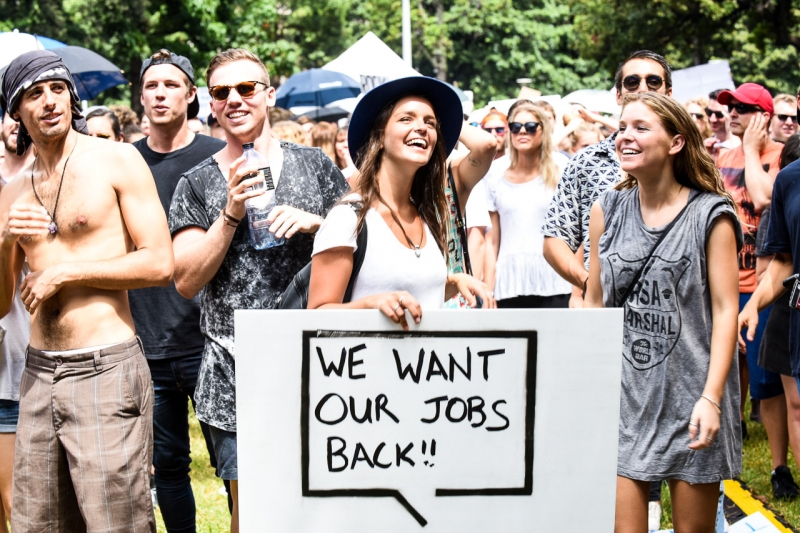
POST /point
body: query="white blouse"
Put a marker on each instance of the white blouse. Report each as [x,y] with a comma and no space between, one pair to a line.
[388,265]
[521,267]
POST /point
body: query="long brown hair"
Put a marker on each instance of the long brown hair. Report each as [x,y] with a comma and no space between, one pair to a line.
[693,166]
[547,166]
[427,191]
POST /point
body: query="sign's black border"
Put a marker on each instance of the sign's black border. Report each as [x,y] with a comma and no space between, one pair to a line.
[530,413]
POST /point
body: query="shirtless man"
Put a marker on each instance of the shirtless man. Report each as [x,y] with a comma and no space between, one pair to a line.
[91,226]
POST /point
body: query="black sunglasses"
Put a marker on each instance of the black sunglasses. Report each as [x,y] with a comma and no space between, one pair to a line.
[530,127]
[697,116]
[743,109]
[245,89]
[500,131]
[784,118]
[719,114]
[632,82]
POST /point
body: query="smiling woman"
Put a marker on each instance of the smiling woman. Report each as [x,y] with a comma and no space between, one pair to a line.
[652,240]
[399,137]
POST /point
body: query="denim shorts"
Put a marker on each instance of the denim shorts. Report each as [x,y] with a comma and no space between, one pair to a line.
[226,452]
[9,415]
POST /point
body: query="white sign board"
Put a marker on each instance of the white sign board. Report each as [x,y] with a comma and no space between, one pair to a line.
[473,421]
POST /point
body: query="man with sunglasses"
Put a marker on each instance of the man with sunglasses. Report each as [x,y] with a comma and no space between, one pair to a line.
[784,121]
[210,234]
[720,123]
[168,323]
[749,172]
[496,123]
[590,173]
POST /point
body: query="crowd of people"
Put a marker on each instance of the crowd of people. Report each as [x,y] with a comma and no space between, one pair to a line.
[121,266]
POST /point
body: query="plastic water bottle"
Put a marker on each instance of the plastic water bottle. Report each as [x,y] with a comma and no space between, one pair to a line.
[258,208]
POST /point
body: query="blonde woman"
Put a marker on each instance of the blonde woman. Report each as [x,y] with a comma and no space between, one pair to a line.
[518,199]
[290,131]
[654,239]
[696,107]
[323,135]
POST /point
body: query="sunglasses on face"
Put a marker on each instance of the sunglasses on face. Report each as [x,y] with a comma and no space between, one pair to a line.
[784,118]
[516,127]
[697,116]
[500,130]
[634,81]
[245,89]
[743,109]
[719,114]
[101,135]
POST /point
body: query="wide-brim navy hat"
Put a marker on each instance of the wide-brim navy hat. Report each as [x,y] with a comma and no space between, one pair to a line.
[446,105]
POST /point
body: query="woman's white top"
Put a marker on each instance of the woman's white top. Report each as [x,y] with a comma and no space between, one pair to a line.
[388,265]
[521,267]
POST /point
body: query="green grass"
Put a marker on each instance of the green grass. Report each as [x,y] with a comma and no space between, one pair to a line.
[212,507]
[756,471]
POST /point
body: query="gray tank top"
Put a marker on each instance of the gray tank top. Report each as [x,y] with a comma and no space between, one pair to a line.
[666,340]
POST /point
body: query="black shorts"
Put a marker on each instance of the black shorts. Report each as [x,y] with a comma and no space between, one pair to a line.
[774,352]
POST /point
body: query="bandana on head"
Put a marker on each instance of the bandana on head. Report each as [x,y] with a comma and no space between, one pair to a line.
[24,71]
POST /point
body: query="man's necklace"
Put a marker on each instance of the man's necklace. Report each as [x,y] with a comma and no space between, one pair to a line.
[53,228]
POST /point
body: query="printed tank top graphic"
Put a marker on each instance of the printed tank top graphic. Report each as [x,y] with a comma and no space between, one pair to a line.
[652,311]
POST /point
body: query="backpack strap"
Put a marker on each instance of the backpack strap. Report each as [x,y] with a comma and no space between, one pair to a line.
[358,256]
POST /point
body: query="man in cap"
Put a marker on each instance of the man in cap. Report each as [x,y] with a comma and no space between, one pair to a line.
[168,323]
[749,171]
[90,225]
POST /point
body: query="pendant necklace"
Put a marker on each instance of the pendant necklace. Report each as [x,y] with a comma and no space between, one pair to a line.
[52,227]
[411,244]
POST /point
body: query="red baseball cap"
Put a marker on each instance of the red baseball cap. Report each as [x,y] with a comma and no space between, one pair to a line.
[749,93]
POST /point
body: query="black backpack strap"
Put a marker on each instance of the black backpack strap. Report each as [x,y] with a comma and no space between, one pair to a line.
[358,256]
[664,233]
[461,222]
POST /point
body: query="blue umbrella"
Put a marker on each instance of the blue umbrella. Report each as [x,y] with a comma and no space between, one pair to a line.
[92,72]
[316,87]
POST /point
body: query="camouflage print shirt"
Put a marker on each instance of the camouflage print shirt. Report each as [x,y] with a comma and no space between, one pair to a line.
[248,278]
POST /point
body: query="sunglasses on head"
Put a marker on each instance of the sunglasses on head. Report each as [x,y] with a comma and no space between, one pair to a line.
[634,81]
[245,89]
[719,114]
[499,130]
[101,135]
[743,109]
[516,127]
[784,118]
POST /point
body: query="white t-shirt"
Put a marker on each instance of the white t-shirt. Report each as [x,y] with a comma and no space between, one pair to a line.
[521,267]
[477,209]
[388,264]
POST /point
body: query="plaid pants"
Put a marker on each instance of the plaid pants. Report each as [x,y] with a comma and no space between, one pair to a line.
[84,443]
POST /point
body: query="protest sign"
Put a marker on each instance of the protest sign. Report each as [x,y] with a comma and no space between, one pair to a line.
[472,420]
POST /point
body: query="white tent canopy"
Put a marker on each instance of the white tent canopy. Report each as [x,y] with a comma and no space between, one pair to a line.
[371,62]
[698,81]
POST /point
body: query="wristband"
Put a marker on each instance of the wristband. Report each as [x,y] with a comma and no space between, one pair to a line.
[229,220]
[715,404]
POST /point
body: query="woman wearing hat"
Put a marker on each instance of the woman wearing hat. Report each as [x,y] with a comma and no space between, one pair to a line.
[399,137]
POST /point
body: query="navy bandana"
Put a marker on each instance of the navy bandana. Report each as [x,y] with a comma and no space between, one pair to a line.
[22,73]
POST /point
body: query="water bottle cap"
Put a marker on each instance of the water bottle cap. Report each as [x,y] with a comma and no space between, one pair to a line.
[248,146]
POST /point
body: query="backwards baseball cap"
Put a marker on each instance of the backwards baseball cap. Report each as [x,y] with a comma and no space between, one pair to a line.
[179,62]
[751,94]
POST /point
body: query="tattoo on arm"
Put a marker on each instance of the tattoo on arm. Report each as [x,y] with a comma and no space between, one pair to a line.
[474,162]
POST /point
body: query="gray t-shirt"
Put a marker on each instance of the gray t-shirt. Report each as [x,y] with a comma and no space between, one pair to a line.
[667,340]
[247,278]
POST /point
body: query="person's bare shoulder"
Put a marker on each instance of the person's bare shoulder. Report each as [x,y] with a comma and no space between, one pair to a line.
[121,163]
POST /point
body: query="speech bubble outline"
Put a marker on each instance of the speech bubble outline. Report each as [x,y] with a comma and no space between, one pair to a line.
[530,412]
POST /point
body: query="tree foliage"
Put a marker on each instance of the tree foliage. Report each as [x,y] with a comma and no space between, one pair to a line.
[483,45]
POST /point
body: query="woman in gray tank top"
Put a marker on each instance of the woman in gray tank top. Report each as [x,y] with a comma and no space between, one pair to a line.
[679,417]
